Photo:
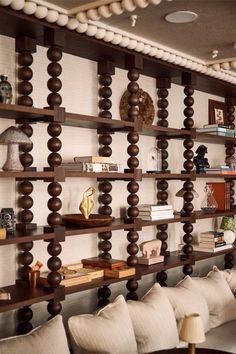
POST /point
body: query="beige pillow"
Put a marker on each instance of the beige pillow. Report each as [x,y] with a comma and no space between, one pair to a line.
[185,299]
[230,276]
[108,331]
[47,339]
[153,321]
[220,299]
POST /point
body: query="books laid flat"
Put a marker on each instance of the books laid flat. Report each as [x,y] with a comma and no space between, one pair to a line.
[104,263]
[157,217]
[210,249]
[79,279]
[215,126]
[94,159]
[119,272]
[92,167]
[153,207]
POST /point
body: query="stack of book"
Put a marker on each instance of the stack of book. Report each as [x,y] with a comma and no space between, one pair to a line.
[92,164]
[222,169]
[211,241]
[155,212]
[217,129]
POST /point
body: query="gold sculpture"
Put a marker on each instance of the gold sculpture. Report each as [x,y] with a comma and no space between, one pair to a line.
[87,204]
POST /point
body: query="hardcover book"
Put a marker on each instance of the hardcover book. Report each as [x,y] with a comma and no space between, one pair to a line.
[221,193]
[104,263]
[94,159]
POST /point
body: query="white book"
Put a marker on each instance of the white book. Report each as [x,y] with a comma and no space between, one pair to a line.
[94,159]
[156,217]
[153,207]
[211,249]
[156,212]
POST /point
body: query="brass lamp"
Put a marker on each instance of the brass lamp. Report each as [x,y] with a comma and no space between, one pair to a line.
[192,331]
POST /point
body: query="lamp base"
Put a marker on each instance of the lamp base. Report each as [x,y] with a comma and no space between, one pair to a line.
[191,348]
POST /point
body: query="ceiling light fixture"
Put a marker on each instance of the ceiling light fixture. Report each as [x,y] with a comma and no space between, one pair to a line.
[181,17]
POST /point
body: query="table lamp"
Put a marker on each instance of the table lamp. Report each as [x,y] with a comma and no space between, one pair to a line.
[192,331]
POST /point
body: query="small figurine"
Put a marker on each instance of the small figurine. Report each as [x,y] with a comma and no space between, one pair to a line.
[87,204]
[151,252]
[200,161]
[34,274]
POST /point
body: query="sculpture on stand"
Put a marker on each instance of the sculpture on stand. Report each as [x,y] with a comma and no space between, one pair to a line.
[150,252]
[200,161]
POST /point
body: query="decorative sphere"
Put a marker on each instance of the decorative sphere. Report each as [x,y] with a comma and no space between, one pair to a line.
[229,236]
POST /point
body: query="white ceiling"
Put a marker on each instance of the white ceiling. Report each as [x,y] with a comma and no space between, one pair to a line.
[214,29]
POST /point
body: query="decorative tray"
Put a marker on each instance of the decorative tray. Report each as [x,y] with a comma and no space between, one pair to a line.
[94,220]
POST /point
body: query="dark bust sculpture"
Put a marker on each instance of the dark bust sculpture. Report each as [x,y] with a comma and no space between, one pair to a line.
[200,161]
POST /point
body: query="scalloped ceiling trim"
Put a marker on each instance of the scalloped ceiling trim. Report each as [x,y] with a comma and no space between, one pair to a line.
[117,37]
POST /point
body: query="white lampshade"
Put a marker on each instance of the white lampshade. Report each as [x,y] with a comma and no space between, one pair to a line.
[192,329]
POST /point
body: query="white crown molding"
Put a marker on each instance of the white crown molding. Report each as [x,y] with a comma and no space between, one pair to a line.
[118,37]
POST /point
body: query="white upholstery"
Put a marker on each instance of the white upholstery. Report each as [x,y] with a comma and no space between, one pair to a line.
[47,339]
[109,331]
[153,321]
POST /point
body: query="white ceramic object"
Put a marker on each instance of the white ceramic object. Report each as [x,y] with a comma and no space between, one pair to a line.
[229,236]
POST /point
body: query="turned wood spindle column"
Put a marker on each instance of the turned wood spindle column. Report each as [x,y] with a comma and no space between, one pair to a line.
[134,65]
[105,71]
[55,41]
[230,151]
[162,84]
[188,82]
[25,46]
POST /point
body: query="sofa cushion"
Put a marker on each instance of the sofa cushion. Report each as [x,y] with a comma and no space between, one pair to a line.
[108,331]
[185,299]
[220,299]
[49,338]
[221,338]
[230,276]
[153,321]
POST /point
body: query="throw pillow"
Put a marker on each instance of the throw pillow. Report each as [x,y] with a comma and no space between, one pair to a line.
[153,321]
[49,338]
[220,299]
[185,299]
[109,331]
[231,278]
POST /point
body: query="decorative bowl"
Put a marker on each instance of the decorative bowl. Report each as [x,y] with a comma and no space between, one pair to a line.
[94,220]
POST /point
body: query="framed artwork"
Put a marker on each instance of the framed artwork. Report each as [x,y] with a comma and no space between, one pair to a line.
[217,112]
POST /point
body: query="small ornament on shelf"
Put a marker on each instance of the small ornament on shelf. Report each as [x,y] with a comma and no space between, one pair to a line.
[150,252]
[209,204]
[5,90]
[200,161]
[154,160]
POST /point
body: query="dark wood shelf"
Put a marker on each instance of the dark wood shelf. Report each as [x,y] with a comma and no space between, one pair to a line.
[205,255]
[215,175]
[95,283]
[171,261]
[117,224]
[17,112]
[24,296]
[159,132]
[198,214]
[27,174]
[101,175]
[93,122]
[214,139]
[21,236]
[169,176]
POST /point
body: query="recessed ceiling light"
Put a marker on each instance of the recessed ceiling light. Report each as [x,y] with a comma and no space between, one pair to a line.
[181,17]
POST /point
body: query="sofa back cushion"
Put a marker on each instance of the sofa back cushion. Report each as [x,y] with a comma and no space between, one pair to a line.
[49,338]
[153,321]
[185,299]
[220,299]
[230,276]
[109,331]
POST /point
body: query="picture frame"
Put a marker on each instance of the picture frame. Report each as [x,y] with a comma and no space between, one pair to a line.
[217,112]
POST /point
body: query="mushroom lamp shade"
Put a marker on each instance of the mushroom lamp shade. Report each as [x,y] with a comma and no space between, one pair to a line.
[228,225]
[13,137]
[192,331]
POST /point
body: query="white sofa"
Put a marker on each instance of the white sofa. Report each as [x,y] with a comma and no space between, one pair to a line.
[144,326]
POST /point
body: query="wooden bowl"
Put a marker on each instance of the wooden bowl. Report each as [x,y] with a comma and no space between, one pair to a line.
[94,220]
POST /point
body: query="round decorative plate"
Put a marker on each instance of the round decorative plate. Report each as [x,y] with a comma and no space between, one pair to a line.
[94,220]
[146,107]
